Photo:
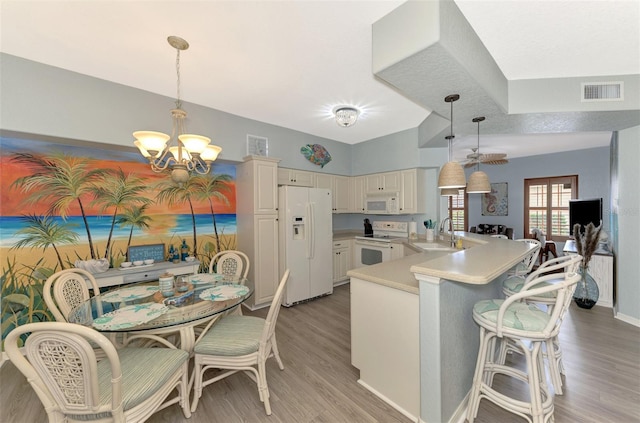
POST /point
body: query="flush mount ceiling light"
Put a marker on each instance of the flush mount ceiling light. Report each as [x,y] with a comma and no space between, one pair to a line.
[451,175]
[346,116]
[180,152]
[478,181]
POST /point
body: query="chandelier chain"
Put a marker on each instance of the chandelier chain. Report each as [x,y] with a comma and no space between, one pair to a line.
[178,101]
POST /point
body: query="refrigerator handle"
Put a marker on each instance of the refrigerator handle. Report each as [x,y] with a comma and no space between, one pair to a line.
[310,230]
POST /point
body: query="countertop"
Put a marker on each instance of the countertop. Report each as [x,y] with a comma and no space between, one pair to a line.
[482,260]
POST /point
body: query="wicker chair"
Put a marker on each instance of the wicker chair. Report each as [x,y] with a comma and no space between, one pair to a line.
[238,343]
[525,325]
[526,265]
[129,385]
[514,284]
[69,290]
[230,262]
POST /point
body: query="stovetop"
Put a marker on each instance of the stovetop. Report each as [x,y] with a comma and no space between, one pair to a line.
[386,231]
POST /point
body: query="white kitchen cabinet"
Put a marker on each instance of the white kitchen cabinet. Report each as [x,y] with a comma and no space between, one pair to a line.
[412,191]
[295,177]
[339,186]
[387,181]
[257,225]
[397,251]
[356,198]
[342,260]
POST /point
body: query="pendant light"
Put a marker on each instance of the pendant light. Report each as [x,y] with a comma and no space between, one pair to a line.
[478,181]
[451,174]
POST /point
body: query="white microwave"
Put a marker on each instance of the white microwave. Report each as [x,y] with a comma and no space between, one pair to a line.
[382,203]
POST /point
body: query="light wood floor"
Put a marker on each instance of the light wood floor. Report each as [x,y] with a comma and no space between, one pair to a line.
[602,361]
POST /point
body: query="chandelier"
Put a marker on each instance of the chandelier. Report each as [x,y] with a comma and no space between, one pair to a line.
[180,152]
[451,174]
[478,181]
[346,116]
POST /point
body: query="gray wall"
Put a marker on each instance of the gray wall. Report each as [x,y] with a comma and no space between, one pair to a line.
[591,166]
[44,100]
[626,207]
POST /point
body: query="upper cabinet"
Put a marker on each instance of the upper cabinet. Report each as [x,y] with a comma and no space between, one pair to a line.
[339,186]
[349,192]
[356,198]
[388,181]
[412,191]
[295,177]
[257,179]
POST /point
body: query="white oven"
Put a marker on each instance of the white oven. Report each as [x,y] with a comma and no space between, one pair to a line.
[376,248]
[371,251]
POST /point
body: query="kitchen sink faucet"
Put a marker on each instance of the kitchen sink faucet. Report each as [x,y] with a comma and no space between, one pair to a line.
[441,231]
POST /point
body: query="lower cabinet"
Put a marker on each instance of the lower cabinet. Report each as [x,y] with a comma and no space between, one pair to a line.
[342,260]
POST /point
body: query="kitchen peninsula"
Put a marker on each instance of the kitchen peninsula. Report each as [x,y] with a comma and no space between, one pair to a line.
[412,332]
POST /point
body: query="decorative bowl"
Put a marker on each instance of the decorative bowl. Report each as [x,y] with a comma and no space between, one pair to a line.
[148,261]
[190,259]
[138,263]
[125,264]
[93,266]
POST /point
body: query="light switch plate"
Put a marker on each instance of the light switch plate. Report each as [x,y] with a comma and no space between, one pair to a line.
[257,146]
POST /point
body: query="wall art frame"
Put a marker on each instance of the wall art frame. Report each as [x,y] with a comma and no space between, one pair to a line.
[496,202]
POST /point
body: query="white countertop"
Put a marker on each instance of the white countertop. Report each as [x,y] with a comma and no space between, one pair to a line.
[483,259]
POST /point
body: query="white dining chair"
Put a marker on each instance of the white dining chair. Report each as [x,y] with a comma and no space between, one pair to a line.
[66,289]
[129,385]
[230,262]
[239,343]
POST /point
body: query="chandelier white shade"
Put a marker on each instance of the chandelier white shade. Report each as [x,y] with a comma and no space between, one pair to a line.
[478,181]
[451,174]
[180,152]
[346,116]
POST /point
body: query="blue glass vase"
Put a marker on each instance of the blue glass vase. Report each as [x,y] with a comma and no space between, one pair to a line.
[586,294]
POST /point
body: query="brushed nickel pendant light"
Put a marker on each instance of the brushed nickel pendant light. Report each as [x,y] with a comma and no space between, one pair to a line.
[478,181]
[451,174]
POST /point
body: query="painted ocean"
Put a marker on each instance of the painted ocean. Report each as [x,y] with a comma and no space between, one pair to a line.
[176,226]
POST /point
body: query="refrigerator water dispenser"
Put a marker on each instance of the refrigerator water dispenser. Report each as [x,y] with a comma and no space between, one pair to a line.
[298,227]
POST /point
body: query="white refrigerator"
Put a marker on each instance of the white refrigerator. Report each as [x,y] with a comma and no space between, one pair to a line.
[305,242]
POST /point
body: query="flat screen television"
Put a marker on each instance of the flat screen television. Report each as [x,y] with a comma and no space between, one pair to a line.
[585,212]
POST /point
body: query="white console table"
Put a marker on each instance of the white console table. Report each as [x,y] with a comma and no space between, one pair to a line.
[601,269]
[145,273]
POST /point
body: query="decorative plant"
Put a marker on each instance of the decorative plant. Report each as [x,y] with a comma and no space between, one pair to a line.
[587,243]
[586,293]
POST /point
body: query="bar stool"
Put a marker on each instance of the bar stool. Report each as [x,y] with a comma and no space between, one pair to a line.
[526,265]
[526,326]
[513,285]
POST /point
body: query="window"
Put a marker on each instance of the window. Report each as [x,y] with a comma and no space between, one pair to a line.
[546,205]
[458,211]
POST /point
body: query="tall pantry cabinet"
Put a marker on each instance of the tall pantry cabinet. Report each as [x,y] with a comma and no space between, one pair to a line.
[257,223]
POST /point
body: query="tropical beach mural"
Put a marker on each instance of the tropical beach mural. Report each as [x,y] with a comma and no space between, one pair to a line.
[60,203]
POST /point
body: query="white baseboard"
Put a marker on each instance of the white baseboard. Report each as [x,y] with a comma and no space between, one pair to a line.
[627,319]
[388,401]
[460,415]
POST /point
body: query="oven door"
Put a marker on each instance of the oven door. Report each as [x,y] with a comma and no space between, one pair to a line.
[368,252]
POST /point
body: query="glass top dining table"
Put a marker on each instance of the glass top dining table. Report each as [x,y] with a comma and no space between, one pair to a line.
[141,308]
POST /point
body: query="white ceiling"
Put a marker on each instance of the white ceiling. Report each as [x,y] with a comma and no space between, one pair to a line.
[289,63]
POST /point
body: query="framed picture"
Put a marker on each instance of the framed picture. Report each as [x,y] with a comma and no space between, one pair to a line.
[496,202]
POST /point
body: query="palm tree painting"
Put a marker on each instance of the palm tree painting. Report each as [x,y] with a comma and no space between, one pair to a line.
[76,201]
[58,180]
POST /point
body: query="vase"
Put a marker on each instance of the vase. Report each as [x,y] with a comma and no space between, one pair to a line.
[586,293]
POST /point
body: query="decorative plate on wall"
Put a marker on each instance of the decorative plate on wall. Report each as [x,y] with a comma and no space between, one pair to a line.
[316,154]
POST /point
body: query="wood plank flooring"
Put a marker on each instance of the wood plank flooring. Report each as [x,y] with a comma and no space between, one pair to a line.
[602,361]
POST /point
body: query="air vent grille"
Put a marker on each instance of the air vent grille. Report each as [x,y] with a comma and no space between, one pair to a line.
[603,91]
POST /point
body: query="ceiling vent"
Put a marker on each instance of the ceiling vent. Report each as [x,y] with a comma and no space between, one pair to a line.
[603,91]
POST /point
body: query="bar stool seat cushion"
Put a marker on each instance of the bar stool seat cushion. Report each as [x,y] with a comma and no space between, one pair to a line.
[518,316]
[514,284]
